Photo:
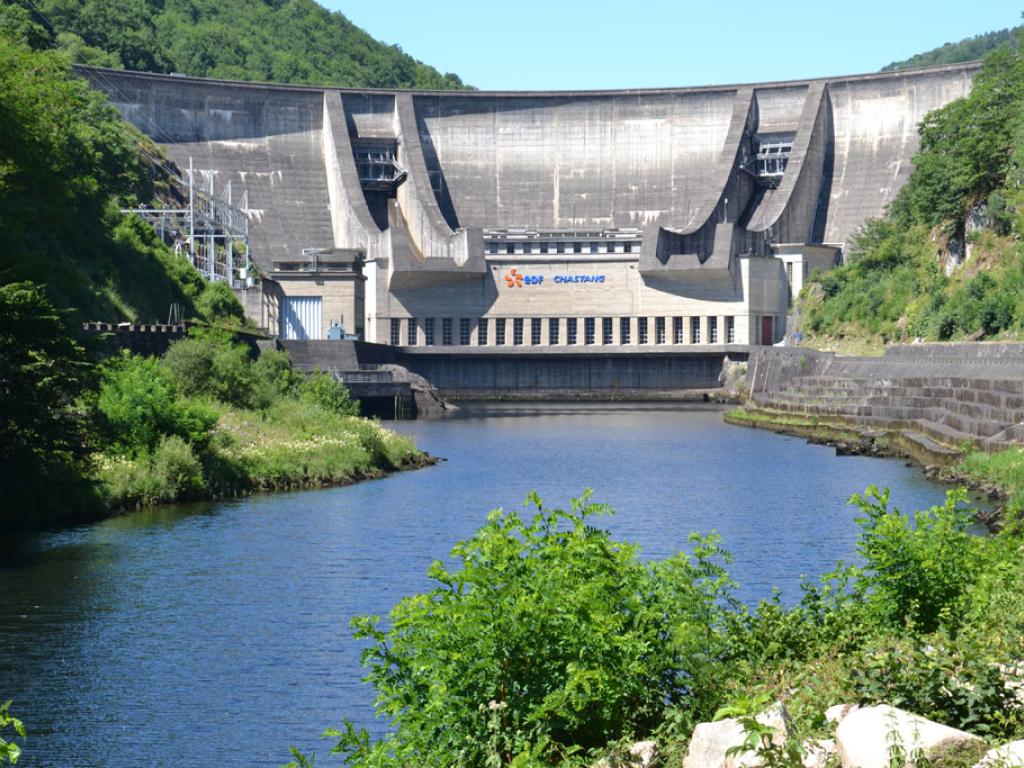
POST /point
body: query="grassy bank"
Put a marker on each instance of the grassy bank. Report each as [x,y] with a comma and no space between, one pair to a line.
[206,421]
[292,446]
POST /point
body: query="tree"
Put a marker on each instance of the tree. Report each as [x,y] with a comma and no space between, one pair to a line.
[43,436]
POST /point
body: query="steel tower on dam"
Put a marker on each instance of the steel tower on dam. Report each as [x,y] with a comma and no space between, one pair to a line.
[532,222]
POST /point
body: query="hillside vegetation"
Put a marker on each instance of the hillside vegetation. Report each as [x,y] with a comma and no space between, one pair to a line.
[79,438]
[947,261]
[281,41]
[968,49]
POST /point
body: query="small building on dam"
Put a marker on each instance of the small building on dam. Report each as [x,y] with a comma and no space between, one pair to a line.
[625,221]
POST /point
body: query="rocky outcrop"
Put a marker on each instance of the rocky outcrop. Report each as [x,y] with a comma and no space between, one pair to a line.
[711,742]
[869,737]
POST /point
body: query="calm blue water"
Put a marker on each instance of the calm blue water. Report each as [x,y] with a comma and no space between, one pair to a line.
[217,634]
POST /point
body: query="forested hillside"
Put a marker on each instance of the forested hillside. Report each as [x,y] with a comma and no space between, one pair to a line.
[968,49]
[947,262]
[282,41]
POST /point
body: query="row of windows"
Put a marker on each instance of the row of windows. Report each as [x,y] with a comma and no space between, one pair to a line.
[528,247]
[517,328]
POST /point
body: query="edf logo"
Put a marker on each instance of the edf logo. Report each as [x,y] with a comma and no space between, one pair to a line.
[515,279]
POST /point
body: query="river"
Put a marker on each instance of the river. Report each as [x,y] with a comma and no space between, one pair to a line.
[216,634]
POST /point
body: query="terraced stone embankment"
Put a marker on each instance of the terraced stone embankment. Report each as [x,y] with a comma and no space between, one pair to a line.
[939,396]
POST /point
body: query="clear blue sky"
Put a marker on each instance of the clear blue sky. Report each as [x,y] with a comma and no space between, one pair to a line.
[567,44]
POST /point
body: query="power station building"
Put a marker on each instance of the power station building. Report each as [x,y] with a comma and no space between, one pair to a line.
[625,218]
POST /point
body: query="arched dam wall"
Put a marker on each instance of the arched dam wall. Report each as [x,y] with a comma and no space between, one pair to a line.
[546,219]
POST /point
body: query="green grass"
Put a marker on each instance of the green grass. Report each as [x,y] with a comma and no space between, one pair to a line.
[1004,469]
[291,445]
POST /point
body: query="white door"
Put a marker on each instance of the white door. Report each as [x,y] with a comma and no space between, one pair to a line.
[302,317]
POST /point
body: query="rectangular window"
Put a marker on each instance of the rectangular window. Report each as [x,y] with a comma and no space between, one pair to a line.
[589,330]
[481,332]
[730,330]
[446,331]
[510,247]
[517,331]
[396,332]
[624,329]
[695,330]
[492,247]
[609,247]
[463,331]
[641,330]
[535,331]
[428,331]
[659,330]
[677,330]
[570,330]
[607,331]
[577,247]
[559,247]
[499,331]
[527,248]
[627,247]
[712,330]
[594,247]
[789,273]
[552,330]
[413,341]
[543,247]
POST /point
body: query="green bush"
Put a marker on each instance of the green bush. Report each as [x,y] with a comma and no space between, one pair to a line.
[330,394]
[139,404]
[9,750]
[549,636]
[171,473]
[210,364]
[920,567]
[217,303]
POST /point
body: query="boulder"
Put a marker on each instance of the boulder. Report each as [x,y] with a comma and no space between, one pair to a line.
[1007,756]
[711,741]
[866,737]
[817,753]
[641,755]
[836,713]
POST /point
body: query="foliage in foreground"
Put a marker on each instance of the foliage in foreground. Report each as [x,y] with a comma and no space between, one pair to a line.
[548,642]
[9,750]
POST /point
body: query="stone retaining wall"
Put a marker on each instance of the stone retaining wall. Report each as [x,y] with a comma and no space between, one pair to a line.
[950,393]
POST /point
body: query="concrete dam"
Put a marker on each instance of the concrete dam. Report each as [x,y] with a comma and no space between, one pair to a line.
[477,232]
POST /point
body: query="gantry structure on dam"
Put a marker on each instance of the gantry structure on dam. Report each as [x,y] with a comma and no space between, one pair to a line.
[532,220]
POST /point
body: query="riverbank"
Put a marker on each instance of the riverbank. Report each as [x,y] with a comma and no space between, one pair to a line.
[998,475]
[289,447]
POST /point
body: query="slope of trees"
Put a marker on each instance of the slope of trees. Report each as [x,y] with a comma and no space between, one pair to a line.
[283,41]
[968,49]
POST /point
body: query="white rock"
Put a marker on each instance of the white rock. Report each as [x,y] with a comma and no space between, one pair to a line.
[710,741]
[817,753]
[1007,756]
[641,755]
[836,713]
[866,736]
